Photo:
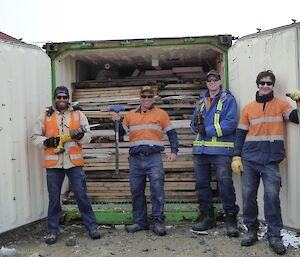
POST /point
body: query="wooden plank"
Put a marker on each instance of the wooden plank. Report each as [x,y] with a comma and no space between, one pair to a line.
[177,99]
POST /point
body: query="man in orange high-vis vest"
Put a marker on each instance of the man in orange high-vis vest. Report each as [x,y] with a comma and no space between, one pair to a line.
[63,119]
[259,148]
[146,126]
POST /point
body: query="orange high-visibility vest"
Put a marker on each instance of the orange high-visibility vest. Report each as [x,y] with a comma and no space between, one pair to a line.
[51,130]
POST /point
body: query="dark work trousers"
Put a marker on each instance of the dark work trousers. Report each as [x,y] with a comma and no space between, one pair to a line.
[77,180]
[202,165]
[141,167]
[272,182]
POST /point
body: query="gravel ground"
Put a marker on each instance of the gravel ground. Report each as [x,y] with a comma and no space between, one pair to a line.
[115,241]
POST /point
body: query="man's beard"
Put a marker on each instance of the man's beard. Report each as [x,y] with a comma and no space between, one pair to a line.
[61,106]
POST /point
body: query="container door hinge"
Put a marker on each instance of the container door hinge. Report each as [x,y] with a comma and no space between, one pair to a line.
[126,43]
[189,40]
[148,42]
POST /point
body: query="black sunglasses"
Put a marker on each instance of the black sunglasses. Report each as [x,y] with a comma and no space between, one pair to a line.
[212,80]
[262,83]
[147,96]
[62,97]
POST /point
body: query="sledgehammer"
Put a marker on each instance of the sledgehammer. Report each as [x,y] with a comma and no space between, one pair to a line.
[117,109]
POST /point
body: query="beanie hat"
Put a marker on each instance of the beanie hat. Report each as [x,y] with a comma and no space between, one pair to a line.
[61,90]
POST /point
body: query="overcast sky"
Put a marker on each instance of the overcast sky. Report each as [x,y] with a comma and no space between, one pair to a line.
[74,20]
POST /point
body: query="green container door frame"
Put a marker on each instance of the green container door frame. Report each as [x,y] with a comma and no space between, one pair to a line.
[122,213]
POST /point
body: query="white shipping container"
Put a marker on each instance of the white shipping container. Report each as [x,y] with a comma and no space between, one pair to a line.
[276,50]
[25,80]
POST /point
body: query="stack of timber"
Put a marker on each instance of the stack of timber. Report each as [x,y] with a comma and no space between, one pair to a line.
[175,97]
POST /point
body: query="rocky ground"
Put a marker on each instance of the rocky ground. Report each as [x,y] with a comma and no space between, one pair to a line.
[179,242]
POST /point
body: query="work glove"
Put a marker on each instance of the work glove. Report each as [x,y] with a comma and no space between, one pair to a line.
[51,142]
[295,95]
[237,165]
[201,130]
[77,133]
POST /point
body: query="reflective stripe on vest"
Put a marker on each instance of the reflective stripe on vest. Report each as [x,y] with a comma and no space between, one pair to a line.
[51,130]
[51,157]
[217,119]
[75,151]
[214,142]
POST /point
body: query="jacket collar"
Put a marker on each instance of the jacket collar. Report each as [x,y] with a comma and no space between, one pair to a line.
[139,109]
[223,94]
[264,98]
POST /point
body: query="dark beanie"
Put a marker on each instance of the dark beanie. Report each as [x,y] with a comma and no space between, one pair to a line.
[61,90]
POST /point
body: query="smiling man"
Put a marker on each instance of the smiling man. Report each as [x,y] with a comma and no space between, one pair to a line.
[145,126]
[259,148]
[214,122]
[62,119]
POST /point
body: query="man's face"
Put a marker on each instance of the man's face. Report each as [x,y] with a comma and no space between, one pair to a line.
[265,86]
[146,100]
[213,83]
[61,101]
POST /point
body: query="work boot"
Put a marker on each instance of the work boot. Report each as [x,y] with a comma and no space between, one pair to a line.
[231,224]
[135,228]
[94,234]
[206,220]
[51,238]
[277,246]
[251,236]
[159,229]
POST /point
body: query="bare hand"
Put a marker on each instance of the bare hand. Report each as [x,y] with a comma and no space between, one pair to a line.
[172,157]
[115,116]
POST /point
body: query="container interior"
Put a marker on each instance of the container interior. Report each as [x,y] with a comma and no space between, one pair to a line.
[114,76]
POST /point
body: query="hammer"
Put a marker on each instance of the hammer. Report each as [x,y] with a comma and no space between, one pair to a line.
[117,109]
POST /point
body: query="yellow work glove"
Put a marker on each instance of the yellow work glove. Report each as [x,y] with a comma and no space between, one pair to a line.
[237,165]
[295,95]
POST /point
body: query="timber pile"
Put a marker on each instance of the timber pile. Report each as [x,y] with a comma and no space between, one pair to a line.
[178,99]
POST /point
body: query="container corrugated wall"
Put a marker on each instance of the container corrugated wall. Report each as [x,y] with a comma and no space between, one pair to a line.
[25,80]
[277,50]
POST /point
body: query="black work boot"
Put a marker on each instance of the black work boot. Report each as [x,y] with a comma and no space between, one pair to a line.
[277,246]
[206,221]
[231,224]
[94,234]
[135,228]
[159,229]
[251,236]
[51,238]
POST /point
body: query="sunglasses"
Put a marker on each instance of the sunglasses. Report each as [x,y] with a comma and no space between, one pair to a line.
[147,96]
[263,83]
[212,80]
[62,97]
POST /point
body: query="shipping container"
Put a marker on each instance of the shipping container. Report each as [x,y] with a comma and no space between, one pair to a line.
[25,77]
[276,50]
[98,73]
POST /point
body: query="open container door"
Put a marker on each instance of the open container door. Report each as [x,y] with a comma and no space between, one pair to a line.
[25,79]
[276,50]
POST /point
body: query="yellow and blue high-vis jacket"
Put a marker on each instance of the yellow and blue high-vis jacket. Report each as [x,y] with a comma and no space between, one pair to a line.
[220,122]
